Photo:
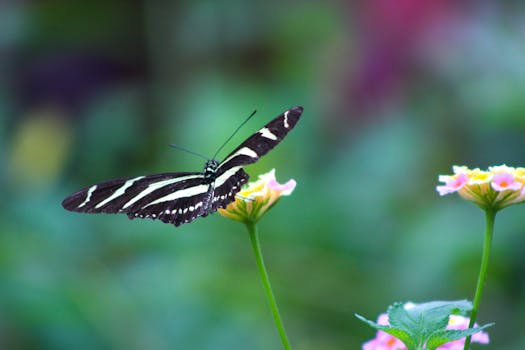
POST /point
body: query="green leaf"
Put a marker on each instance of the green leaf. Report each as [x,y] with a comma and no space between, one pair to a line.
[424,325]
[398,333]
[446,336]
[399,317]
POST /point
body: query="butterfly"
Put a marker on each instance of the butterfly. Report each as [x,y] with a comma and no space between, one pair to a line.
[178,198]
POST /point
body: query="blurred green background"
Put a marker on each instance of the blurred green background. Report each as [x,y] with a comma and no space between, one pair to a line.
[395,93]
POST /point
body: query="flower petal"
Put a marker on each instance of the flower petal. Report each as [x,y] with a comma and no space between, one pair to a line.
[284,189]
[453,183]
[505,181]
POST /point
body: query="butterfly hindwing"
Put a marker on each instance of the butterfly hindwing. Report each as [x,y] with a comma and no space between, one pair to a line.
[225,193]
[176,211]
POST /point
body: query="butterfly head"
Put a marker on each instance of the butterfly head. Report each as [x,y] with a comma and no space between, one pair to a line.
[210,169]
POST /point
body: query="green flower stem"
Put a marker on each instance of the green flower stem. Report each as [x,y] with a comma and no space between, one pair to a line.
[490,216]
[254,236]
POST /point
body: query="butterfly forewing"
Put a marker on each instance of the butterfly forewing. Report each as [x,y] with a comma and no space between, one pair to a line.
[132,195]
[179,198]
[260,143]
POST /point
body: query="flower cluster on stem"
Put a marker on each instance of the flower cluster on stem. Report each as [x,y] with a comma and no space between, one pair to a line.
[254,200]
[250,205]
[491,190]
[494,189]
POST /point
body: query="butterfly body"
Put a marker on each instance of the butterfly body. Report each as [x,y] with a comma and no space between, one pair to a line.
[178,198]
[210,169]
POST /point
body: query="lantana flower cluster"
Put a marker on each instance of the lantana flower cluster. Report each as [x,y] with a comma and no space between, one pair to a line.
[254,200]
[385,341]
[495,188]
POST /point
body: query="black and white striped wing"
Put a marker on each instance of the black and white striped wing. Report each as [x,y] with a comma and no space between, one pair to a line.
[174,198]
[178,198]
[260,143]
[226,187]
[254,147]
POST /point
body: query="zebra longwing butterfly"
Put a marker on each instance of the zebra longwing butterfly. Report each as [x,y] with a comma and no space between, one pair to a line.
[178,198]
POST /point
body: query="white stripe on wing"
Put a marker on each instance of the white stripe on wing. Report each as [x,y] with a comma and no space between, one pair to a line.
[157,185]
[119,192]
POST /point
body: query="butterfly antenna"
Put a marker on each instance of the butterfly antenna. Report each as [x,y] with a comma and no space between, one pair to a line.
[232,135]
[187,151]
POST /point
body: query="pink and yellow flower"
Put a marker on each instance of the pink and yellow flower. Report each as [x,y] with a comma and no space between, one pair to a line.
[253,201]
[385,341]
[495,188]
